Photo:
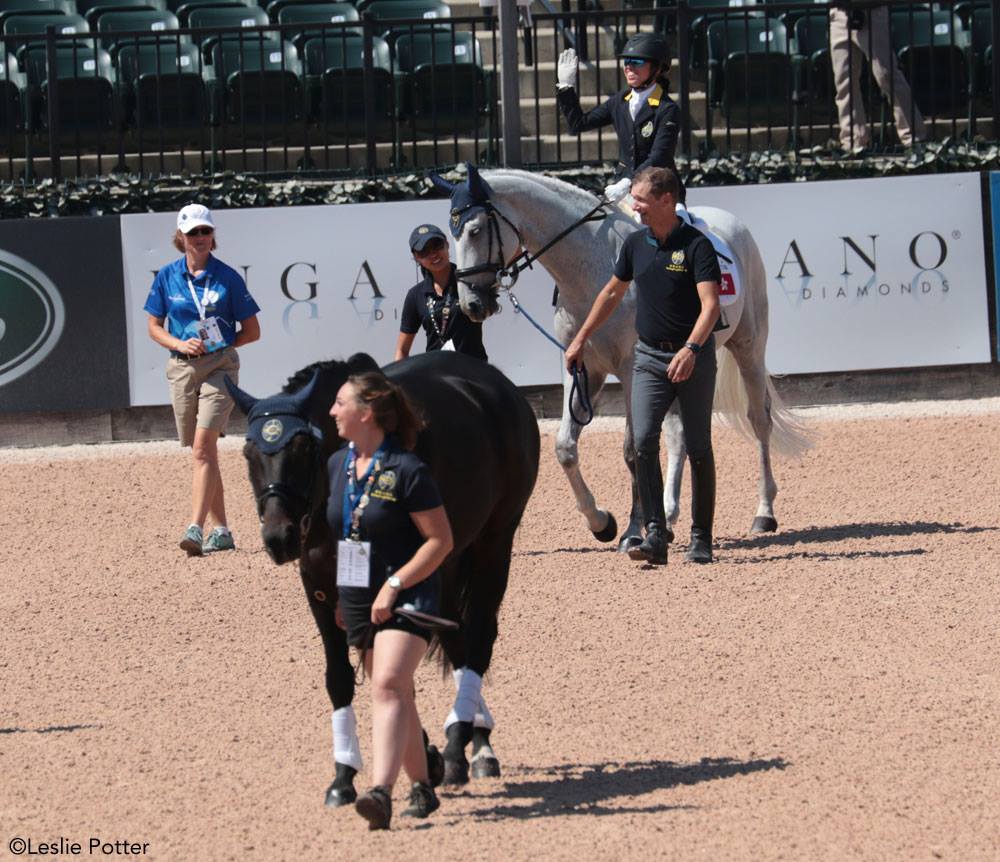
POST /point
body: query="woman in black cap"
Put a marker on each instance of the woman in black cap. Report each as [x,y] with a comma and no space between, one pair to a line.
[433,302]
[645,118]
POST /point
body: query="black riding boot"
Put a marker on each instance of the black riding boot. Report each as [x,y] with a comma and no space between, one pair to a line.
[702,508]
[649,481]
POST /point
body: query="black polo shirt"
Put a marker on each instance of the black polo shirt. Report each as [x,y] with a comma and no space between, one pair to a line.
[666,279]
[448,321]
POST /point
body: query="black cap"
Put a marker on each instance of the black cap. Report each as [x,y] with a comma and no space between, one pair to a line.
[424,234]
[647,46]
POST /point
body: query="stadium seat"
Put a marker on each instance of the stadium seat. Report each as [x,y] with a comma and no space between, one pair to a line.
[814,72]
[30,29]
[255,83]
[87,94]
[334,67]
[981,33]
[164,92]
[315,14]
[933,53]
[750,71]
[123,27]
[699,27]
[183,8]
[93,9]
[218,17]
[386,12]
[13,86]
[36,7]
[443,83]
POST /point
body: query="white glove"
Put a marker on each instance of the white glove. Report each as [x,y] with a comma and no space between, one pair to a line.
[616,191]
[566,70]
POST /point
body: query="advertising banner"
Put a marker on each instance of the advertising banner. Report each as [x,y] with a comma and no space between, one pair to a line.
[330,281]
[63,339]
[995,209]
[865,274]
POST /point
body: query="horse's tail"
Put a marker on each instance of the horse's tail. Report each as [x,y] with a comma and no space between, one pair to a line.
[789,436]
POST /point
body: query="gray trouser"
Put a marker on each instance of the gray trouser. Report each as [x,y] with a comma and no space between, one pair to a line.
[652,395]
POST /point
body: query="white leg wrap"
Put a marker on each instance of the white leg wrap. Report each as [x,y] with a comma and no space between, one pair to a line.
[467,699]
[484,718]
[346,747]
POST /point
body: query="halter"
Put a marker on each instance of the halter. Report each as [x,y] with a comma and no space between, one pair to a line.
[292,497]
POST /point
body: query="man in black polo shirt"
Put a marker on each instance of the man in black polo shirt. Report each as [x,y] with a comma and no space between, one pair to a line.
[676,276]
[433,303]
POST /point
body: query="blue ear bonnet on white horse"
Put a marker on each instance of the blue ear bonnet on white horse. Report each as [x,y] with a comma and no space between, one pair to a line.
[468,199]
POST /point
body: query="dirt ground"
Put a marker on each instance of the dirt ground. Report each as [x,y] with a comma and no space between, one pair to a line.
[827,692]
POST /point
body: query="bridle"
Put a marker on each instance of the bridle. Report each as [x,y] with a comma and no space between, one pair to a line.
[292,497]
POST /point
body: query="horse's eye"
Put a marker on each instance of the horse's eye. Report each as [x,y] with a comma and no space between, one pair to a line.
[475,231]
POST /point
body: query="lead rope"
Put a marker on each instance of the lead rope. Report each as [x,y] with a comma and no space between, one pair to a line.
[581,382]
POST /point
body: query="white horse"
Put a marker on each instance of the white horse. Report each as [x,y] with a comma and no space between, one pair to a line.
[515,211]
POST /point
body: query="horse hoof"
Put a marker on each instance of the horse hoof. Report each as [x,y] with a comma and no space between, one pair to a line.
[435,766]
[456,772]
[337,796]
[485,767]
[763,524]
[629,542]
[610,530]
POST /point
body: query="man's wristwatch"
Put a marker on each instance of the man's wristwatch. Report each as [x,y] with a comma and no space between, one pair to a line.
[694,347]
[394,582]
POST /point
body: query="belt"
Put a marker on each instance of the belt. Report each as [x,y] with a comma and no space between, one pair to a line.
[176,354]
[667,346]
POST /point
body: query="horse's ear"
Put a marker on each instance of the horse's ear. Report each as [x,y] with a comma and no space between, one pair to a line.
[303,396]
[478,187]
[359,363]
[440,183]
[243,400]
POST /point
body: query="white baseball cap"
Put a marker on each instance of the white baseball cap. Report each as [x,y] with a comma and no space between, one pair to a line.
[192,216]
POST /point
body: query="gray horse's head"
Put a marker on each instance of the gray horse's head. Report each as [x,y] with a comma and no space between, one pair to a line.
[485,242]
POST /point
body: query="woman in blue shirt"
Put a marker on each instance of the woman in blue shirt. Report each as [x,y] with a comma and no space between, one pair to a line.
[201,311]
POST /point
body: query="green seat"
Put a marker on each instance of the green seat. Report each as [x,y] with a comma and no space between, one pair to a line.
[256,83]
[13,89]
[387,12]
[698,28]
[444,85]
[30,29]
[217,17]
[36,7]
[316,14]
[981,34]
[814,78]
[934,56]
[135,26]
[334,69]
[96,8]
[183,8]
[750,71]
[164,91]
[87,93]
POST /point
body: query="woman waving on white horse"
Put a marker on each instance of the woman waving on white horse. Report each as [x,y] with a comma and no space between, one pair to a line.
[645,118]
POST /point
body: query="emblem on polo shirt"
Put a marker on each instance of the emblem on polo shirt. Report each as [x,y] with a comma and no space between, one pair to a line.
[677,257]
[272,430]
[385,486]
[647,130]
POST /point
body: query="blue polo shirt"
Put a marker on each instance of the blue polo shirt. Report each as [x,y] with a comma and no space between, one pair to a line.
[225,292]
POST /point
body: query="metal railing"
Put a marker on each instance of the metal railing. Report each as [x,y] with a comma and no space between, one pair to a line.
[370,96]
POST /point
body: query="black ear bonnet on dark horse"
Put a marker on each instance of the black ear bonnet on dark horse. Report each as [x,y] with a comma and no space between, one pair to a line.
[273,422]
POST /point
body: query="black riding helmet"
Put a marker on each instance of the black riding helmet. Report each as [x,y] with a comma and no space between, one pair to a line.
[647,46]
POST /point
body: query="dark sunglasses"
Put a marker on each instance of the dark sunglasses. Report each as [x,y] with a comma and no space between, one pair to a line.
[638,62]
[201,231]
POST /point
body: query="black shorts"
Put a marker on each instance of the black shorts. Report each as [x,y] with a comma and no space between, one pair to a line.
[356,611]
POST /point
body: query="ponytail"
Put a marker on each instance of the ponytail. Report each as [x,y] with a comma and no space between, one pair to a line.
[394,413]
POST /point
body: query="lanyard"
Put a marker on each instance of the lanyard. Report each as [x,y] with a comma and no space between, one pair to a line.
[204,295]
[355,501]
[448,300]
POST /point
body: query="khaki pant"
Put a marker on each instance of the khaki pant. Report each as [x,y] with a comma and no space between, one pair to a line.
[198,391]
[872,41]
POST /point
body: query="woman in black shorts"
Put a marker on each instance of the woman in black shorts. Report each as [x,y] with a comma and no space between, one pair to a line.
[385,507]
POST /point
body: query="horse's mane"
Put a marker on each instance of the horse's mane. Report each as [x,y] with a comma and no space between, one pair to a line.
[572,195]
[355,364]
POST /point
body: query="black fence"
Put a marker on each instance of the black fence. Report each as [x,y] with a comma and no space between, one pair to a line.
[308,86]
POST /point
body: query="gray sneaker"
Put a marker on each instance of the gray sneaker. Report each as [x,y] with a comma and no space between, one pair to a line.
[219,541]
[192,541]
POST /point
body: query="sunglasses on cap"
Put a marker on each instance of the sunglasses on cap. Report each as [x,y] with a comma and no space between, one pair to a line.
[638,62]
[200,231]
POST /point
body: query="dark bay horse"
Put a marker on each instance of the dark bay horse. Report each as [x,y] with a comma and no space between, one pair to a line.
[481,443]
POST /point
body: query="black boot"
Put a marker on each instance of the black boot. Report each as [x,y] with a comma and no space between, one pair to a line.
[376,807]
[649,483]
[423,801]
[702,508]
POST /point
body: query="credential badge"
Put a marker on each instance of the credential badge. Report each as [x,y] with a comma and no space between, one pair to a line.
[272,430]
